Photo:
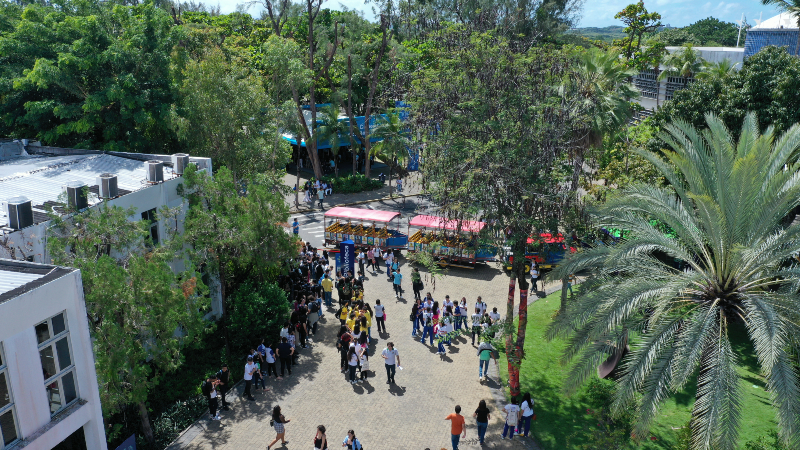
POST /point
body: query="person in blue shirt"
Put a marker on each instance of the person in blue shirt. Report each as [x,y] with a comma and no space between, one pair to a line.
[295,227]
[398,278]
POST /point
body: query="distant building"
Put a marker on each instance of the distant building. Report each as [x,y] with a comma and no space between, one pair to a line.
[654,93]
[34,178]
[780,31]
[49,396]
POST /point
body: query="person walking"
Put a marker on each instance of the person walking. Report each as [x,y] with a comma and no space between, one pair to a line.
[320,196]
[485,353]
[363,359]
[427,325]
[416,313]
[224,378]
[379,316]
[526,408]
[270,358]
[351,442]
[476,325]
[512,418]
[457,427]
[249,370]
[371,260]
[209,390]
[416,283]
[285,353]
[534,277]
[398,279]
[278,422]
[320,440]
[387,259]
[482,418]
[441,335]
[296,227]
[480,304]
[391,358]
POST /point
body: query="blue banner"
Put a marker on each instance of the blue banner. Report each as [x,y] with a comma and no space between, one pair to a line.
[129,444]
[347,253]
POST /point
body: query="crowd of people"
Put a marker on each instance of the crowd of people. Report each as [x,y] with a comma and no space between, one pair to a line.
[309,284]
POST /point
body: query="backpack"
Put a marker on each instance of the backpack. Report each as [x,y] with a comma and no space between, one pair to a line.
[313,307]
[512,418]
[346,289]
[428,321]
[205,388]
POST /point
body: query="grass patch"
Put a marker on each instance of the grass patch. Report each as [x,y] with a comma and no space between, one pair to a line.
[563,422]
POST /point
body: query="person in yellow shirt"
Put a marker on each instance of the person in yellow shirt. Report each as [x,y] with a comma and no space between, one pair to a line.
[343,312]
[365,313]
[351,321]
[327,290]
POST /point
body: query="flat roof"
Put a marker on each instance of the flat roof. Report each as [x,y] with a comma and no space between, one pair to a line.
[445,224]
[361,214]
[19,277]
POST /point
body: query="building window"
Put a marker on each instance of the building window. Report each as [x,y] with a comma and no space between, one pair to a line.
[647,83]
[8,422]
[58,366]
[150,216]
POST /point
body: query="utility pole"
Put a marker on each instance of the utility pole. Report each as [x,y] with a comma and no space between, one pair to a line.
[742,23]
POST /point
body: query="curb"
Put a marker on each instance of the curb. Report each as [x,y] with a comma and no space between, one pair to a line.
[361,202]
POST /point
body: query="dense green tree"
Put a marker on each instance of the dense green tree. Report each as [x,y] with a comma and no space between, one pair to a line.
[88,75]
[717,70]
[766,85]
[495,126]
[638,22]
[225,114]
[714,30]
[684,62]
[673,37]
[141,314]
[394,142]
[257,311]
[676,301]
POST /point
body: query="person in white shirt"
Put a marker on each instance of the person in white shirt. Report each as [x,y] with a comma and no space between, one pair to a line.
[391,358]
[526,408]
[388,257]
[494,315]
[249,370]
[427,325]
[512,418]
[328,188]
[379,317]
[534,277]
[476,325]
[447,302]
[361,258]
[480,304]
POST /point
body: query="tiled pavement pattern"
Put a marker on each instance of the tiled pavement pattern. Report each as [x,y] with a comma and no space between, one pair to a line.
[409,415]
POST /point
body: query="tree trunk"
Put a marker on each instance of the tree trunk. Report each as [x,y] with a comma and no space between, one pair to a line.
[297,182]
[509,332]
[147,430]
[563,296]
[518,273]
[366,151]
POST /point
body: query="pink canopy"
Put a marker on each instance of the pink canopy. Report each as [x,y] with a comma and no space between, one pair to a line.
[362,214]
[442,223]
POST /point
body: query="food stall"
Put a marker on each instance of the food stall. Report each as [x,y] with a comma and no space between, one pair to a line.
[452,242]
[365,227]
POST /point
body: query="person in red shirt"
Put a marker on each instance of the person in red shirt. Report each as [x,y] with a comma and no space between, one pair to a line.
[456,427]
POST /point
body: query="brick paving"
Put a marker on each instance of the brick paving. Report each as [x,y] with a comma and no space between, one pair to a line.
[409,415]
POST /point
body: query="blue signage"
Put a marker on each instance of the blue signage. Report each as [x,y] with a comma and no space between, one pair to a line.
[347,253]
[129,444]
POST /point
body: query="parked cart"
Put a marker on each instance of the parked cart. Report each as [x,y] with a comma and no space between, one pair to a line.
[365,227]
[451,242]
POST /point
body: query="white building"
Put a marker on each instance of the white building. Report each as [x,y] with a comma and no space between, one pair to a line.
[654,92]
[43,175]
[48,386]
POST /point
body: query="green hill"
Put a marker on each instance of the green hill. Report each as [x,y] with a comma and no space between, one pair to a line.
[606,34]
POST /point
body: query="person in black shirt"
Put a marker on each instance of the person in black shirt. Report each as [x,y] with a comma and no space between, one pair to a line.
[224,377]
[209,392]
[302,323]
[285,352]
[482,417]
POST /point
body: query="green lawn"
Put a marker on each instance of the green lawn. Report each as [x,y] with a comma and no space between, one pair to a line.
[563,422]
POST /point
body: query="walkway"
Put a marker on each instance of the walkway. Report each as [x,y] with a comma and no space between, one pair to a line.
[409,415]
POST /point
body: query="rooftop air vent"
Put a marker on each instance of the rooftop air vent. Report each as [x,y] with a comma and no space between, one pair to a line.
[77,195]
[20,214]
[107,185]
[179,163]
[155,171]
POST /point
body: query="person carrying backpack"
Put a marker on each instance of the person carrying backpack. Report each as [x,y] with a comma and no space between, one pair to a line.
[512,418]
[427,325]
[209,390]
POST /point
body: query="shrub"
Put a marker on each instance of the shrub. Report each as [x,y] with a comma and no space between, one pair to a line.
[350,184]
[255,311]
[768,442]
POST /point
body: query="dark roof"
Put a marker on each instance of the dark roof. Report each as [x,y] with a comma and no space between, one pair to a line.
[19,277]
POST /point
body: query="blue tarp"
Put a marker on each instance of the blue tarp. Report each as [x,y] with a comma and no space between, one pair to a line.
[344,141]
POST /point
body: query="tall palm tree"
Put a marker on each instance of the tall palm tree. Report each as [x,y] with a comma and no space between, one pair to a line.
[601,85]
[394,138]
[685,62]
[730,270]
[716,70]
[332,130]
[791,7]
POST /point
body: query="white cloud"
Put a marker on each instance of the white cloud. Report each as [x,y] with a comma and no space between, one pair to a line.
[678,13]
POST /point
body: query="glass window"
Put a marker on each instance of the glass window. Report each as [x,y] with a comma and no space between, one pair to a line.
[5,395]
[48,362]
[64,357]
[7,427]
[43,332]
[59,326]
[57,364]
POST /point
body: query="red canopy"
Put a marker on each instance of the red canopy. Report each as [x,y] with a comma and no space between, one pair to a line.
[362,214]
[549,238]
[442,223]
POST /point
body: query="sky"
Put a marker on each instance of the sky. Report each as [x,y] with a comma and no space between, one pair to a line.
[600,13]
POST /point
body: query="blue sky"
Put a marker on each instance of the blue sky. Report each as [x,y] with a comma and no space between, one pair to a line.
[600,13]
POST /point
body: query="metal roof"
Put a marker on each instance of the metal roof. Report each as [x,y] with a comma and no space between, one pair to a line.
[362,214]
[19,277]
[41,178]
[13,280]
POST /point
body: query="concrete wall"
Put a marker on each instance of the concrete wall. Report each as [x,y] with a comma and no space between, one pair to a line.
[18,317]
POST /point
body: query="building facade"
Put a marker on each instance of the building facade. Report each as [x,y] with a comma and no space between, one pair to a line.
[780,31]
[49,397]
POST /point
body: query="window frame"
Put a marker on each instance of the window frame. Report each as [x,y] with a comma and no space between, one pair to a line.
[151,216]
[10,407]
[58,377]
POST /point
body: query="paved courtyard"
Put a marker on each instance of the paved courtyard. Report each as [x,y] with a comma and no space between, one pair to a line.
[408,415]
